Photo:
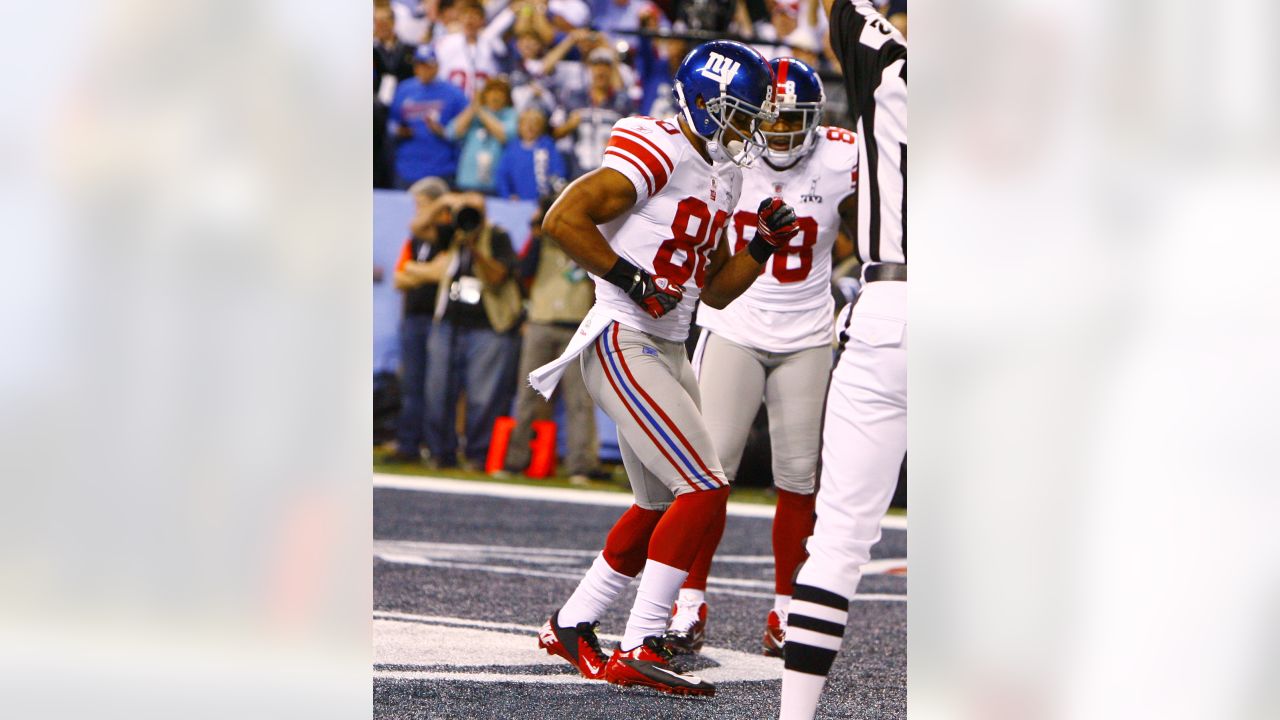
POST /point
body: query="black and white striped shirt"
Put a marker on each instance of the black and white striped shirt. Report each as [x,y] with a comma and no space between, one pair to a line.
[874,58]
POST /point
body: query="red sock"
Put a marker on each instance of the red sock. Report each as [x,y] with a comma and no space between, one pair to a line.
[792,523]
[628,542]
[701,567]
[687,524]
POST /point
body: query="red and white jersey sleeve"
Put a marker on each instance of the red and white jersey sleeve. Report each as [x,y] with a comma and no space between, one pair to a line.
[682,206]
[789,307]
[642,149]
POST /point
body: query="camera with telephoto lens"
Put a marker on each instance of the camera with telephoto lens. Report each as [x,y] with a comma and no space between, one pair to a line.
[468,219]
[455,225]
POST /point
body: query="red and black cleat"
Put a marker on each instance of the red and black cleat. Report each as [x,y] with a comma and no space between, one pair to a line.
[648,665]
[578,645]
[775,633]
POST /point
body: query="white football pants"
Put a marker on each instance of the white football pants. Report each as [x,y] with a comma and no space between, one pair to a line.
[864,438]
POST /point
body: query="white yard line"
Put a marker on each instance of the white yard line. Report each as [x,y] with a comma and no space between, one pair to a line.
[742,587]
[462,622]
[483,677]
[564,495]
[393,550]
[431,647]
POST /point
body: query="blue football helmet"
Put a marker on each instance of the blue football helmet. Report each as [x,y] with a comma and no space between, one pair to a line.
[735,85]
[797,97]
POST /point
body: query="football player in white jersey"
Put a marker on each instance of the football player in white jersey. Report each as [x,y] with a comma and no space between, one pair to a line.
[773,344]
[649,225]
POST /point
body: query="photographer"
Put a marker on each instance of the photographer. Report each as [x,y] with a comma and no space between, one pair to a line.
[474,343]
[419,270]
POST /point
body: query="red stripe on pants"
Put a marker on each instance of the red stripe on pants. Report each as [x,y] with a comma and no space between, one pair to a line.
[658,409]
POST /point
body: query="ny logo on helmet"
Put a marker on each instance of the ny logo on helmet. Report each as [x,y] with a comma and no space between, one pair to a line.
[720,68]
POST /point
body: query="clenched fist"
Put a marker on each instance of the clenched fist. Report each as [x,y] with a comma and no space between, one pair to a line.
[656,294]
[777,222]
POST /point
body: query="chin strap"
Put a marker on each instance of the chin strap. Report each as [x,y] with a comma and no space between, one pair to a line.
[717,152]
[684,108]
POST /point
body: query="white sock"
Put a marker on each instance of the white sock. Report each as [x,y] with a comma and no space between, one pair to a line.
[689,596]
[597,590]
[811,648]
[780,603]
[659,585]
[800,693]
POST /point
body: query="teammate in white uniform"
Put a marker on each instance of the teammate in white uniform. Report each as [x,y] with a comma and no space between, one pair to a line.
[864,434]
[773,344]
[649,225]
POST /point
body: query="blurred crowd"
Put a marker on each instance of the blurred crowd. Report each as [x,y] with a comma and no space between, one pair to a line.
[515,98]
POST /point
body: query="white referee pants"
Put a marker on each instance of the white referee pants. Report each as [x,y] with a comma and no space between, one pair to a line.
[864,438]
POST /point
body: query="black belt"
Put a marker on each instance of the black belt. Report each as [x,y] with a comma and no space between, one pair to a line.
[886,271]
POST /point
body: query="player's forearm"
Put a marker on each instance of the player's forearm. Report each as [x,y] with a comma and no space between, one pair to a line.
[732,280]
[579,237]
[594,199]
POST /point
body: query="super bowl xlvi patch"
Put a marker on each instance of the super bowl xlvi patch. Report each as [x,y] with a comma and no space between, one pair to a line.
[812,196]
[648,350]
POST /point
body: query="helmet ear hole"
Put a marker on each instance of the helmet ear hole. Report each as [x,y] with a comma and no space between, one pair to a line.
[700,103]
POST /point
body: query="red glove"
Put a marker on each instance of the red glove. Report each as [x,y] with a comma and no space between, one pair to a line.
[775,226]
[657,295]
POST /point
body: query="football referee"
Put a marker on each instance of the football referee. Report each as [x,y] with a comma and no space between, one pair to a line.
[864,436]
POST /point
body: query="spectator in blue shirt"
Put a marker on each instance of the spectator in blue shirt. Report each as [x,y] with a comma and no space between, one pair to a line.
[531,166]
[422,108]
[484,128]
